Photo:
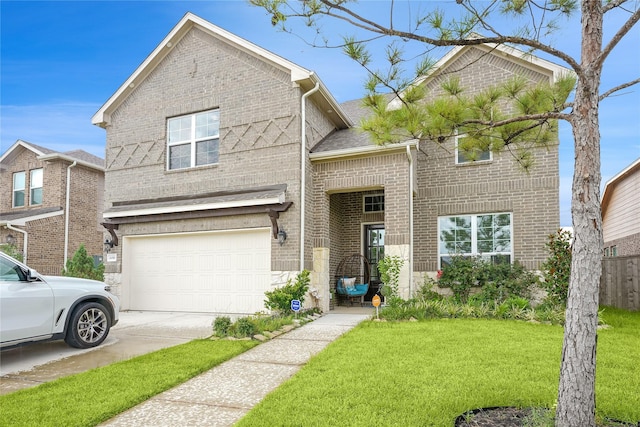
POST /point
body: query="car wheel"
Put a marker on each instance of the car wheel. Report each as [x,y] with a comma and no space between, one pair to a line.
[90,324]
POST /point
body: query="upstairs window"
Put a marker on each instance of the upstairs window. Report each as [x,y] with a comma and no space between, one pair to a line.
[488,236]
[193,140]
[464,155]
[18,189]
[374,203]
[35,184]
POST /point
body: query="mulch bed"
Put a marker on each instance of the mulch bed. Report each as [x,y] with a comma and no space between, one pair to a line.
[493,417]
[510,417]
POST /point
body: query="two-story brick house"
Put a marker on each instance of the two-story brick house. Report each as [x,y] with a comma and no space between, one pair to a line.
[50,204]
[230,169]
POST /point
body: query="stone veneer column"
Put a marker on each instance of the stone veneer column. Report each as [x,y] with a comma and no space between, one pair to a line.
[320,277]
[403,252]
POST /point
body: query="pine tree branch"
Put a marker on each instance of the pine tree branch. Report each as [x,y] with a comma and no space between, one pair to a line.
[618,88]
[633,20]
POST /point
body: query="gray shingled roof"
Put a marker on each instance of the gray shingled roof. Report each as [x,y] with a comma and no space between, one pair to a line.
[12,216]
[348,138]
[85,157]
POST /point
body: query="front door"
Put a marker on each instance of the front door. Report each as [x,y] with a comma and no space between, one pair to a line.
[374,251]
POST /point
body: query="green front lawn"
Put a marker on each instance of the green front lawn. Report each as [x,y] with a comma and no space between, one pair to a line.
[427,373]
[386,374]
[89,398]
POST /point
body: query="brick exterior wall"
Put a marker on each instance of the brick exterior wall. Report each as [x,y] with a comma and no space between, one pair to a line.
[339,188]
[445,188]
[46,236]
[259,139]
[628,245]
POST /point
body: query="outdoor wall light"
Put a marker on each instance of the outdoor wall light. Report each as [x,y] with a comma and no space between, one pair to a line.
[282,236]
[108,245]
[10,239]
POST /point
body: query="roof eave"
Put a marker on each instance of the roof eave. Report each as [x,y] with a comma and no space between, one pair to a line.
[59,156]
[361,151]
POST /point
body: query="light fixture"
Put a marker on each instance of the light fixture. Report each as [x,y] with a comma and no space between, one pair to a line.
[108,245]
[10,239]
[282,236]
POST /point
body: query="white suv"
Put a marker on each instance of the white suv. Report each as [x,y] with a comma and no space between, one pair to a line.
[37,308]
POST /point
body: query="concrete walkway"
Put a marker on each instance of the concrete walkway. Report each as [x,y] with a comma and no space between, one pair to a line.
[221,396]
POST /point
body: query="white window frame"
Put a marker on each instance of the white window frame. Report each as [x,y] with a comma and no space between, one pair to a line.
[364,202]
[18,189]
[32,187]
[468,162]
[474,237]
[192,140]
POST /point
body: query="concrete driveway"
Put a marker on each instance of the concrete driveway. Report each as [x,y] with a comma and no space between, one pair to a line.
[135,334]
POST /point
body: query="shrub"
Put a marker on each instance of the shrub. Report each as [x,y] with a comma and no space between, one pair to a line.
[498,281]
[280,298]
[244,327]
[81,265]
[461,274]
[221,326]
[425,290]
[12,250]
[389,268]
[557,268]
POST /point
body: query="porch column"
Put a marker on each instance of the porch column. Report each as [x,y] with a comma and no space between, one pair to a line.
[320,277]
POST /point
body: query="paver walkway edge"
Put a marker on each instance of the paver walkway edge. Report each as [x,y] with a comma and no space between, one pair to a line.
[224,394]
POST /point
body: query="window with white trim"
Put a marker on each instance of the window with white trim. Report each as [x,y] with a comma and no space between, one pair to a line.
[470,156]
[373,203]
[35,185]
[19,179]
[193,140]
[488,236]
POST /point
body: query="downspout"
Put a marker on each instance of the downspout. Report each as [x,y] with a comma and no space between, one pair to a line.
[303,168]
[410,158]
[66,213]
[25,240]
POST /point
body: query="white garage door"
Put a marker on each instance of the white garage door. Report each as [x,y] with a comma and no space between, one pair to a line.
[213,272]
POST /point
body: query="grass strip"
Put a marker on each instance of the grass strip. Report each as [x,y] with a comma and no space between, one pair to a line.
[91,397]
[427,373]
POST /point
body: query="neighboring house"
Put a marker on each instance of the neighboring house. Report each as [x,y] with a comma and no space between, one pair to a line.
[212,198]
[51,203]
[621,213]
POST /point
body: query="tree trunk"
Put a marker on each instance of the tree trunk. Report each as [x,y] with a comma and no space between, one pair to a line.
[576,392]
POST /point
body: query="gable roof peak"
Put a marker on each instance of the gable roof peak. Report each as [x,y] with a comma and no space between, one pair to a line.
[304,77]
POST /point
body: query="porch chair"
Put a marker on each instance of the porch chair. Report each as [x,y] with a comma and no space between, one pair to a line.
[352,278]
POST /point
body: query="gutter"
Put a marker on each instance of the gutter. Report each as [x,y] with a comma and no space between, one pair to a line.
[66,213]
[25,240]
[410,158]
[303,167]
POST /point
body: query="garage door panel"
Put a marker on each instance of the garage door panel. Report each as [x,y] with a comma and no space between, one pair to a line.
[221,272]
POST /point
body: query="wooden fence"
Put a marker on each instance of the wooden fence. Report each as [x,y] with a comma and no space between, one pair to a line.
[620,282]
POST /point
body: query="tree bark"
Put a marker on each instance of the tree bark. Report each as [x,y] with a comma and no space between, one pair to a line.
[576,392]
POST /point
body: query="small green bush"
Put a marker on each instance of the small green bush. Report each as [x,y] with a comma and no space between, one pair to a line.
[221,326]
[557,268]
[243,327]
[279,299]
[389,268]
[497,281]
[425,290]
[81,265]
[12,250]
[461,274]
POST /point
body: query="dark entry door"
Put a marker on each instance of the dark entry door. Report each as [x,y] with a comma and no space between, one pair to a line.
[374,251]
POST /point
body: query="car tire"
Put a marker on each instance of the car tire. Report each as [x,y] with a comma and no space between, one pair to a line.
[89,325]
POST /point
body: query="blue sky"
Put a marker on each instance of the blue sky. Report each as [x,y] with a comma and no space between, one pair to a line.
[60,61]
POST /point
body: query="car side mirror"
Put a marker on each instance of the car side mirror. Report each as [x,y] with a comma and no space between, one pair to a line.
[32,275]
